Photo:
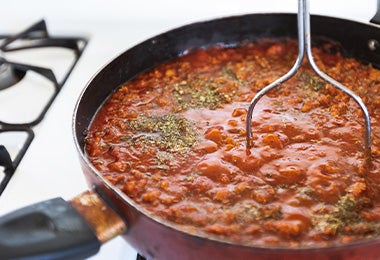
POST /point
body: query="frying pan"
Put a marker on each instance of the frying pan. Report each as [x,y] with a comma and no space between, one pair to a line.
[73,229]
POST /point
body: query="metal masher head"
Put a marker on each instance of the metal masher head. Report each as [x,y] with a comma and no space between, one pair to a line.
[304,45]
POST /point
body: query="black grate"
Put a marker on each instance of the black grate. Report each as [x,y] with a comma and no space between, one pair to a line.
[35,37]
[6,161]
[13,72]
[139,257]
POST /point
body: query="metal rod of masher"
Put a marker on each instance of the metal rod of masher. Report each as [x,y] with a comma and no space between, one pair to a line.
[304,44]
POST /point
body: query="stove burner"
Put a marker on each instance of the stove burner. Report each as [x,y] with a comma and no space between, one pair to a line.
[12,73]
[9,76]
[36,36]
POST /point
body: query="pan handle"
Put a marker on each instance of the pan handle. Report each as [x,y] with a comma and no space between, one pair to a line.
[58,229]
[376,18]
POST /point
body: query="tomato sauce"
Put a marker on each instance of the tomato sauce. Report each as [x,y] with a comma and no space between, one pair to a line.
[173,139]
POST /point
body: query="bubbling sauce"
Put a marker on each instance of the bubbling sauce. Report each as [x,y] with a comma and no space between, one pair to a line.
[173,139]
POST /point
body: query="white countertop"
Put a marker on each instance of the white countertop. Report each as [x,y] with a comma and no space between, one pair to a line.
[51,167]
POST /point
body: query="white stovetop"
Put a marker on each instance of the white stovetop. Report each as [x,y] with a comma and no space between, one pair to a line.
[50,167]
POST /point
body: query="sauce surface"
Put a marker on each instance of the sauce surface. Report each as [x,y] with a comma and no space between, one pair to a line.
[173,139]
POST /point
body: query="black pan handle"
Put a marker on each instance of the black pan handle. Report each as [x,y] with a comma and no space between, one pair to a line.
[57,229]
[376,18]
[52,229]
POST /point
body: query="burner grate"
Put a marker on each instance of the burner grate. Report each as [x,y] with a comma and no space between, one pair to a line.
[35,37]
[13,73]
[140,257]
[9,165]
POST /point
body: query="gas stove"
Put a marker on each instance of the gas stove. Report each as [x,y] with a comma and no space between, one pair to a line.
[29,84]
[49,51]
